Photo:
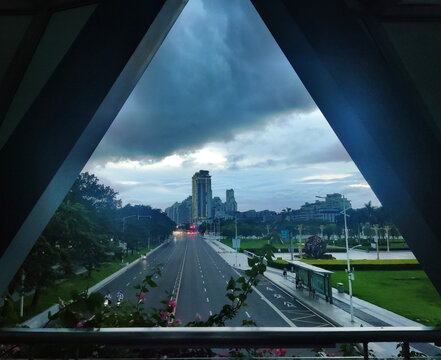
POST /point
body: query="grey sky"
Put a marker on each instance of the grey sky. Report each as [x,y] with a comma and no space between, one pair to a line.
[220,95]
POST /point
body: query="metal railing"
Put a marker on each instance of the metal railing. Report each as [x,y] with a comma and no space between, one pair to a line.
[225,337]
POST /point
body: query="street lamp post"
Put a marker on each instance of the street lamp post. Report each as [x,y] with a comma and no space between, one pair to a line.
[299,228]
[235,230]
[348,270]
[138,217]
[376,228]
[386,229]
[350,273]
[23,277]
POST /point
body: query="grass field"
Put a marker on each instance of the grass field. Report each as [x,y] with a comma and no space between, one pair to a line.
[406,292]
[81,282]
[318,262]
[246,244]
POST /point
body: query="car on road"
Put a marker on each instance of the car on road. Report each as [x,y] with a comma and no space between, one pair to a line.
[144,257]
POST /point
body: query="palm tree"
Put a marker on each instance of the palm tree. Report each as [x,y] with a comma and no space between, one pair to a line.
[286,212]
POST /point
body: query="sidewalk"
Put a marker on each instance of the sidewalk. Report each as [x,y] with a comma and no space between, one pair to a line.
[338,313]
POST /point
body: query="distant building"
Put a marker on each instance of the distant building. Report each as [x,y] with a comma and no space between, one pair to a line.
[326,210]
[201,206]
[230,202]
[180,213]
[201,196]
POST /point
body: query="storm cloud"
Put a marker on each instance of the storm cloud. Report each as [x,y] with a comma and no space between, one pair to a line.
[218,71]
[220,95]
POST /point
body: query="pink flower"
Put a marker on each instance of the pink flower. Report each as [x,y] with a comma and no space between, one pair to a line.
[164,315]
[80,324]
[178,322]
[280,352]
[142,296]
[172,303]
[198,317]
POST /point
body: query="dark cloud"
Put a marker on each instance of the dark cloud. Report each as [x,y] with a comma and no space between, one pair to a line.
[324,154]
[218,72]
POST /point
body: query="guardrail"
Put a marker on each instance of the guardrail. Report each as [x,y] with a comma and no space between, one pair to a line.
[225,337]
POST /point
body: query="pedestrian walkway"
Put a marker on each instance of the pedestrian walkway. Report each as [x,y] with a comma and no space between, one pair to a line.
[338,313]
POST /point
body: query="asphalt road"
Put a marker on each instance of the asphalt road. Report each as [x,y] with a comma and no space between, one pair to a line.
[197,277]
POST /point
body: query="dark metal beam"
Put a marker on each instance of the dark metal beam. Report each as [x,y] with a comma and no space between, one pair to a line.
[182,337]
[65,123]
[20,62]
[379,119]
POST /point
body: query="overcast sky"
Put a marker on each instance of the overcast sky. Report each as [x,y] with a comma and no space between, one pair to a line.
[220,96]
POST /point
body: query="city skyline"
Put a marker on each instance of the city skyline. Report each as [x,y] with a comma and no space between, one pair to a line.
[235,106]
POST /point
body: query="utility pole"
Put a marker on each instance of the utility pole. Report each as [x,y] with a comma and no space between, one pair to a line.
[350,273]
[23,277]
[299,228]
[376,228]
[235,230]
[386,229]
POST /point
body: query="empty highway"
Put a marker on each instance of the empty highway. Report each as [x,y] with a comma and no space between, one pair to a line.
[197,277]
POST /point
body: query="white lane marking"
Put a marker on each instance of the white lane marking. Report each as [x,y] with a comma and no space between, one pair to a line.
[289,304]
[205,289]
[208,300]
[140,272]
[134,277]
[210,313]
[223,277]
[128,284]
[246,312]
[226,282]
[270,304]
[203,282]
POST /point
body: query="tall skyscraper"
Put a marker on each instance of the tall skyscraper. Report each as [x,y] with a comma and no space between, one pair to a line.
[230,203]
[201,195]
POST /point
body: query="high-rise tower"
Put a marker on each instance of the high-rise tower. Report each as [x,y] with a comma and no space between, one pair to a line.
[230,203]
[201,195]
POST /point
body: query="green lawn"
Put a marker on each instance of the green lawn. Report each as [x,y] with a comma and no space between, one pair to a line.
[318,262]
[406,292]
[257,244]
[247,243]
[79,283]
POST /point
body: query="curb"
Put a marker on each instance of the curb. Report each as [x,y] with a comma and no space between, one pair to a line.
[40,319]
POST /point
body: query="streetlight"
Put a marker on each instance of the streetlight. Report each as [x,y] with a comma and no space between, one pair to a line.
[350,274]
[138,217]
[299,228]
[376,228]
[386,229]
[22,290]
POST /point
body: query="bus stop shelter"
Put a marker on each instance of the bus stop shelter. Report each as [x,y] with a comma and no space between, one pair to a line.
[316,279]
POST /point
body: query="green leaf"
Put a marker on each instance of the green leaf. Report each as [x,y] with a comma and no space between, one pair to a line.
[231,284]
[230,296]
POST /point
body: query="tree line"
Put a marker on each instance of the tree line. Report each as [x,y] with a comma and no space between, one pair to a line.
[87,230]
[359,222]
